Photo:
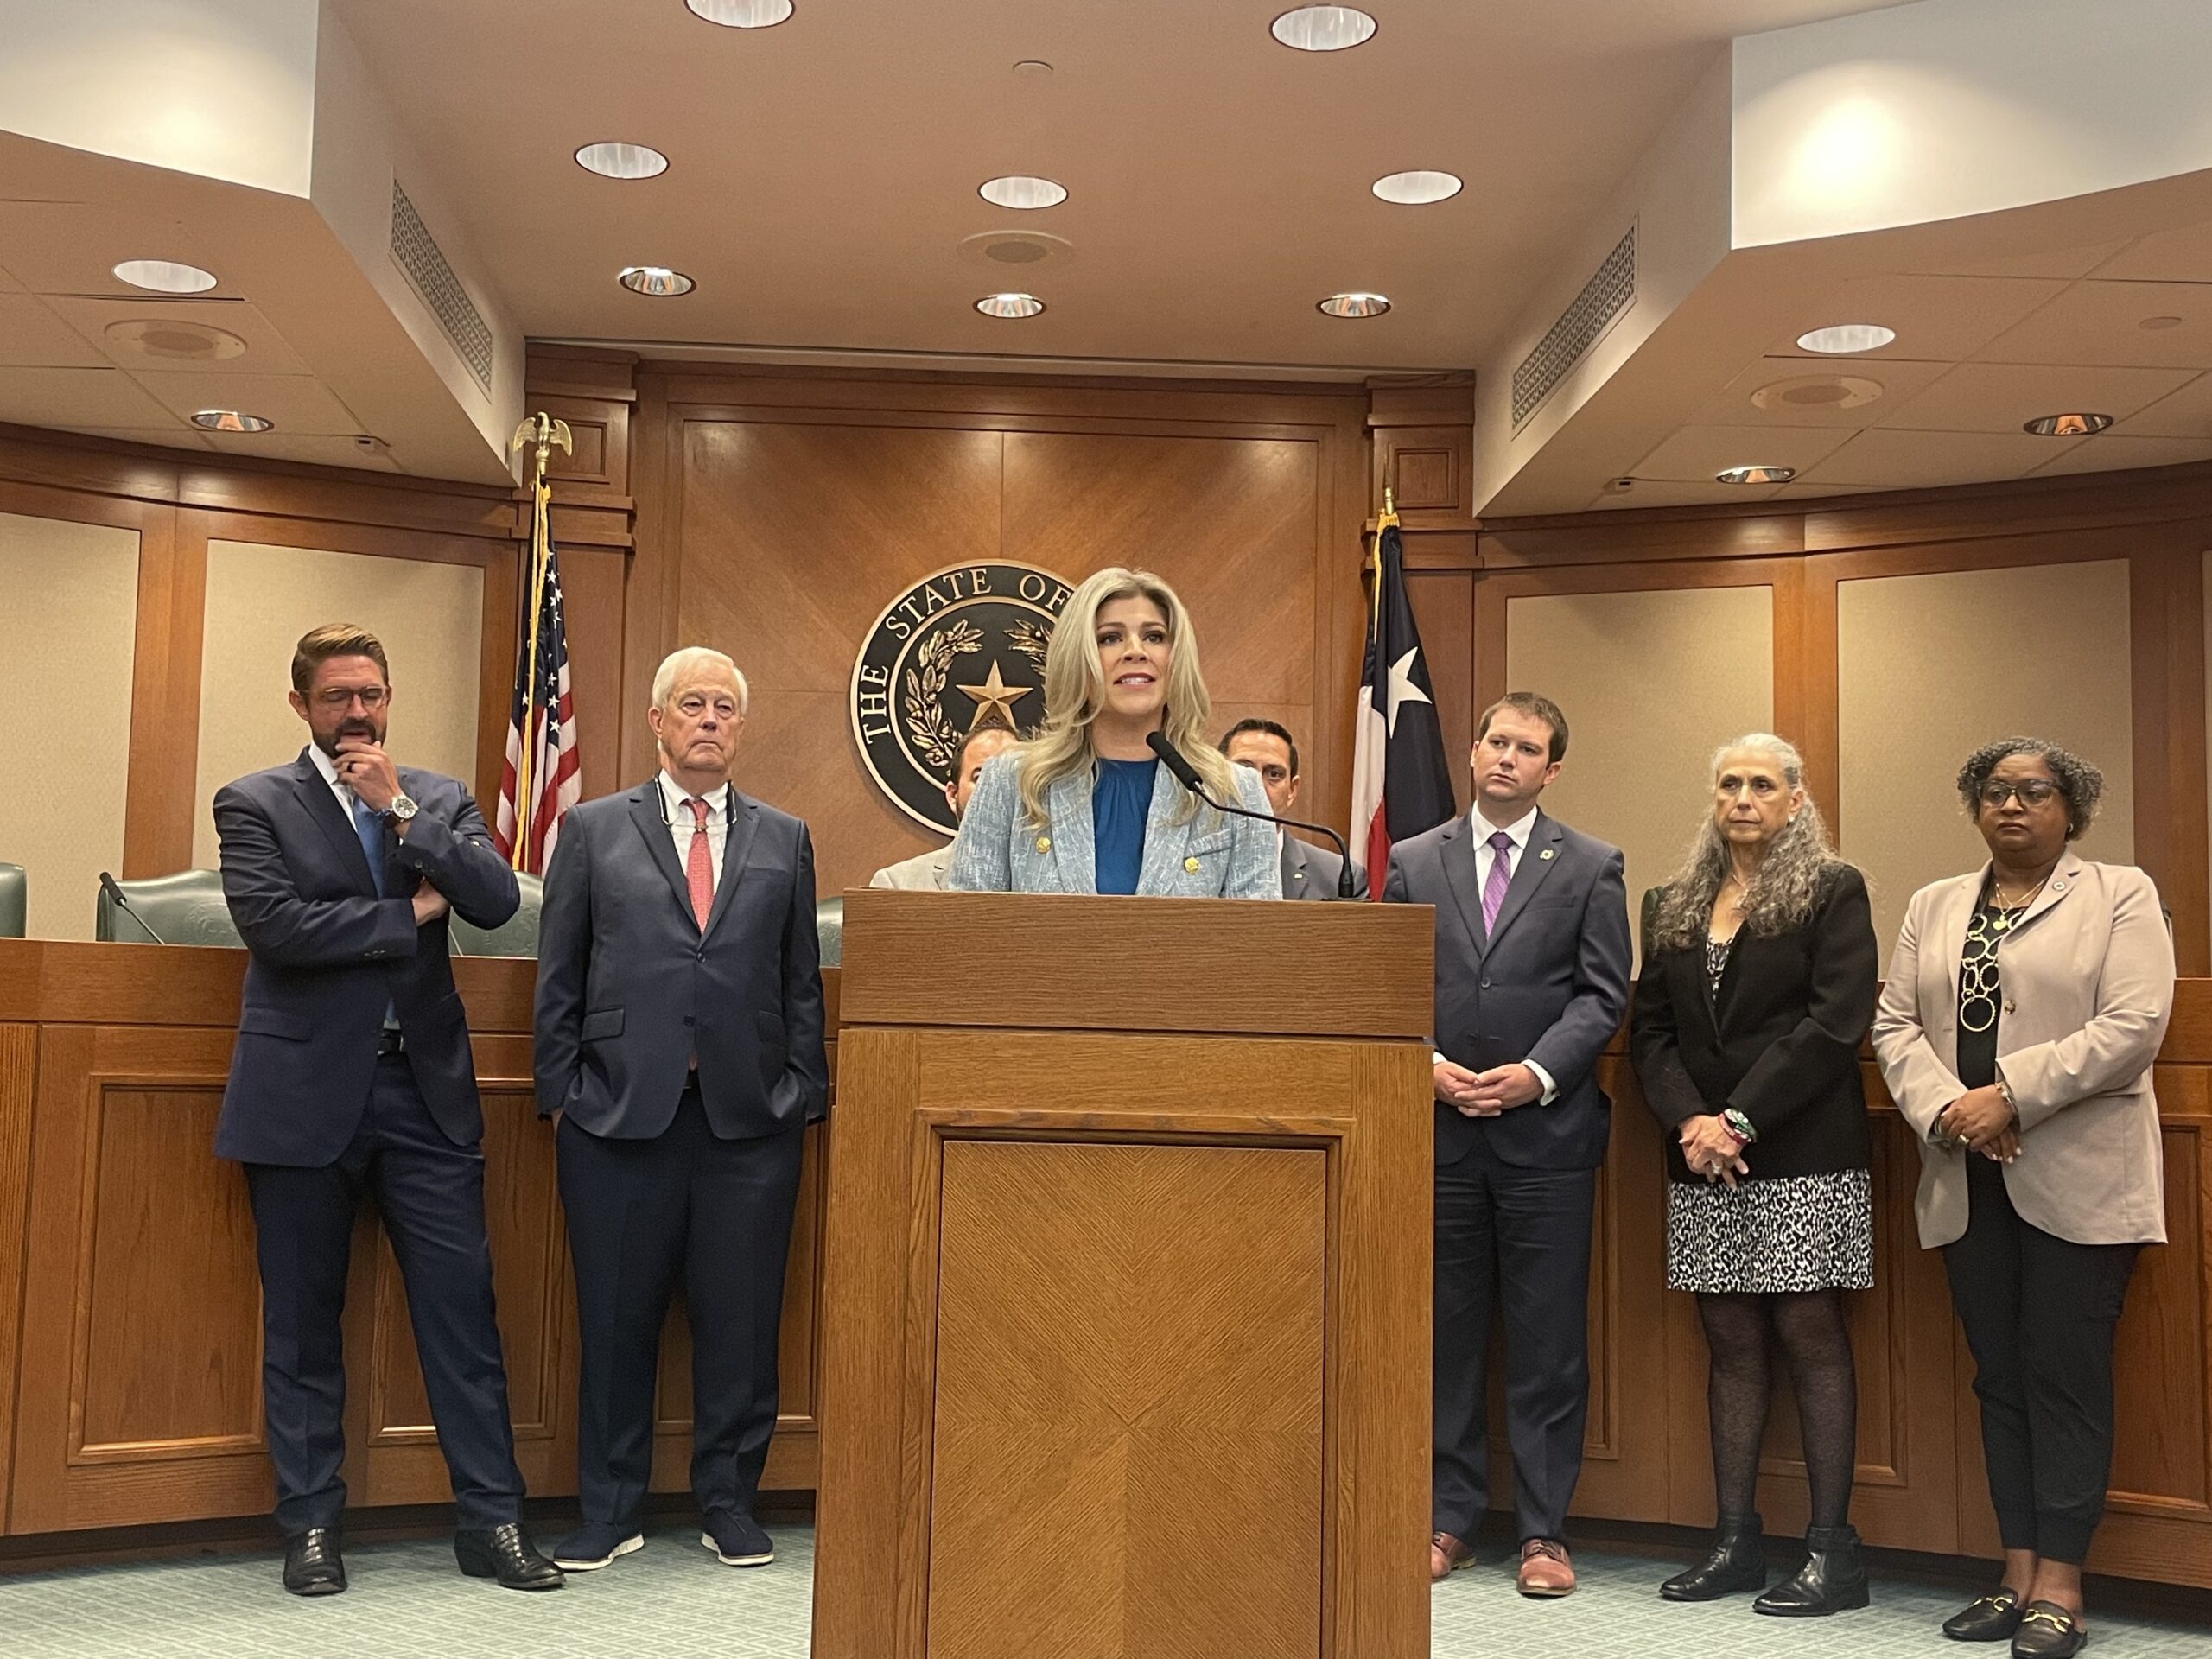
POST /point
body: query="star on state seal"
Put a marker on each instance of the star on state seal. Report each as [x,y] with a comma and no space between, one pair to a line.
[962,647]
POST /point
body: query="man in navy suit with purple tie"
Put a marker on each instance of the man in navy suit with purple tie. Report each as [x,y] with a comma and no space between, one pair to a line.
[352,1077]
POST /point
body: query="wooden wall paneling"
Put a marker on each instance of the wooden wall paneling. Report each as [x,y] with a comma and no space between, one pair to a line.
[504,574]
[18,1079]
[1817,693]
[1424,454]
[649,592]
[1341,616]
[140,1401]
[1619,536]
[165,691]
[2166,638]
[1444,610]
[591,583]
[2057,506]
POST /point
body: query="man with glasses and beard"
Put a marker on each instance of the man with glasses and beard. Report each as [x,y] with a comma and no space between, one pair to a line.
[352,1075]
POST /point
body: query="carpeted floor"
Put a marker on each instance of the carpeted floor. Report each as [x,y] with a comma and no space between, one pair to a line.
[672,1599]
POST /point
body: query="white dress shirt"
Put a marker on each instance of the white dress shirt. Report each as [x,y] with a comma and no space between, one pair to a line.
[683,826]
[1485,857]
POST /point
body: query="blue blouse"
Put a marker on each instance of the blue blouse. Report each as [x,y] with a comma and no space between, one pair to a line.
[1120,802]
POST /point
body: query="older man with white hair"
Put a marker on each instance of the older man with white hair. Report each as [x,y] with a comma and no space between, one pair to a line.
[679,1051]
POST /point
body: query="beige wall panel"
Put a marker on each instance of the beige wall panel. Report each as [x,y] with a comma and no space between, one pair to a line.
[1931,667]
[1651,683]
[66,627]
[261,599]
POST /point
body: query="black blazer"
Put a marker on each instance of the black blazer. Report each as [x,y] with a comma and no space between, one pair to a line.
[1779,1042]
[629,989]
[1310,871]
[1547,985]
[328,956]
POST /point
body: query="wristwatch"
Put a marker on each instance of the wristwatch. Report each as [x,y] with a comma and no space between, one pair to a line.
[401,809]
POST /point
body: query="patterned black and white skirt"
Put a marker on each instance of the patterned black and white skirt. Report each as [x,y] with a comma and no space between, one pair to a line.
[1797,1233]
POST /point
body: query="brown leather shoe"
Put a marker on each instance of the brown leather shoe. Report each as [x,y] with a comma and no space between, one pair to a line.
[1545,1568]
[1446,1555]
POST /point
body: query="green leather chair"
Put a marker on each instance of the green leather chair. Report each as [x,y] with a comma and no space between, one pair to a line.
[15,899]
[829,928]
[186,908]
[516,937]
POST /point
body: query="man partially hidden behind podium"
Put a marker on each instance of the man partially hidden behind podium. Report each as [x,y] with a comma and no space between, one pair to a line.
[1532,967]
[1308,872]
[925,871]
[351,1075]
[680,1049]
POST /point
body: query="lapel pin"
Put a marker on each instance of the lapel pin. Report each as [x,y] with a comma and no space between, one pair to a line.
[1548,854]
[1044,844]
[1191,865]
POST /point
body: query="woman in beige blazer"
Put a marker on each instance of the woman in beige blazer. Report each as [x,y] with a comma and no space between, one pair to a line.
[2025,1005]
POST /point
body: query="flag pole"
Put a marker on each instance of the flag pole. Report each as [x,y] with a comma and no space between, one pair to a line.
[542,433]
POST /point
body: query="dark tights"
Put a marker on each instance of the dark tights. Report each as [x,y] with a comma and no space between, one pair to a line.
[1741,1332]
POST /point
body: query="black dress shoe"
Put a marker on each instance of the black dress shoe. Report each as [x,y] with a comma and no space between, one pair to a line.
[1738,1561]
[2049,1632]
[312,1564]
[1833,1577]
[1992,1617]
[505,1553]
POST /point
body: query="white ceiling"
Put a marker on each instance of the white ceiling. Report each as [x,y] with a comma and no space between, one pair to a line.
[824,171]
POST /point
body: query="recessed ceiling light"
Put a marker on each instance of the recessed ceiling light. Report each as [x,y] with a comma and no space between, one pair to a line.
[741,13]
[2065,426]
[1323,29]
[2159,322]
[1822,390]
[1010,305]
[656,280]
[229,420]
[1417,187]
[1756,475]
[1022,190]
[165,276]
[615,160]
[1842,338]
[1354,305]
[1032,68]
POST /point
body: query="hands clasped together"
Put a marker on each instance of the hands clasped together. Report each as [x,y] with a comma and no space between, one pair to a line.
[1486,1094]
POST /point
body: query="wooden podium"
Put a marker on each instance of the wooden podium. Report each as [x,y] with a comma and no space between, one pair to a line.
[1125,1320]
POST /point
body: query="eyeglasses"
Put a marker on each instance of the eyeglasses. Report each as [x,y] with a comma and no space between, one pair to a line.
[2032,792]
[339,696]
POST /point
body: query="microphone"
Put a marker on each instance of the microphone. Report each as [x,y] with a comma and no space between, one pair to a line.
[115,897]
[1187,775]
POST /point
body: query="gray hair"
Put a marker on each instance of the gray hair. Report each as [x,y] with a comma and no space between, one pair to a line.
[679,663]
[2081,784]
[1790,877]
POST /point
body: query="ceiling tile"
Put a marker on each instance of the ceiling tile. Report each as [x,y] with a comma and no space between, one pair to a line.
[2176,256]
[2067,262]
[1670,494]
[1898,378]
[72,247]
[1942,318]
[265,351]
[280,445]
[172,436]
[297,403]
[2110,452]
[32,337]
[2187,414]
[1885,460]
[1694,453]
[2000,397]
[77,397]
[2101,322]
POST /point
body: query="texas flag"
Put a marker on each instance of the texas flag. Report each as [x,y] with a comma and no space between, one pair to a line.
[1400,783]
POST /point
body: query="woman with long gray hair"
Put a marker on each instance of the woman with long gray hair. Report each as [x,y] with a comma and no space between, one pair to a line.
[1758,981]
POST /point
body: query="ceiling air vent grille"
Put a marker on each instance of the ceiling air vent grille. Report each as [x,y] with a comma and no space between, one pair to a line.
[415,252]
[1602,298]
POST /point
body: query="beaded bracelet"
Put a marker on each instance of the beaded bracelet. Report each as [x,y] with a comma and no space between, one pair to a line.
[1738,1127]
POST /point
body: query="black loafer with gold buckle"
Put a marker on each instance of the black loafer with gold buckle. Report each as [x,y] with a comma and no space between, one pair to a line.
[1992,1617]
[2049,1632]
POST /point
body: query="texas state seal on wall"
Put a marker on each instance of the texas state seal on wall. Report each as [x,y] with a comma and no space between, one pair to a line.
[962,647]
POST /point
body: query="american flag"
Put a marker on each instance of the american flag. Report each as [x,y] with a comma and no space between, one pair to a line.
[1400,783]
[541,780]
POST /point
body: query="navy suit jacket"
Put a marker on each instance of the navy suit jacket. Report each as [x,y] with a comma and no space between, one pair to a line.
[1310,871]
[1549,983]
[629,987]
[328,956]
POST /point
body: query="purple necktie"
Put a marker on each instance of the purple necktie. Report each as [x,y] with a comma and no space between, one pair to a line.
[1500,877]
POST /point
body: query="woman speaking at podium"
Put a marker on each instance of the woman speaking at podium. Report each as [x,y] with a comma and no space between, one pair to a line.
[1087,805]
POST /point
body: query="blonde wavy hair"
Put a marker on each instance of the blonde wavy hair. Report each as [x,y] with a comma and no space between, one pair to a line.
[1791,876]
[1075,692]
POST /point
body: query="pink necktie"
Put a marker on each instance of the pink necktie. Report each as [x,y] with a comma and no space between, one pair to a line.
[1500,877]
[699,865]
